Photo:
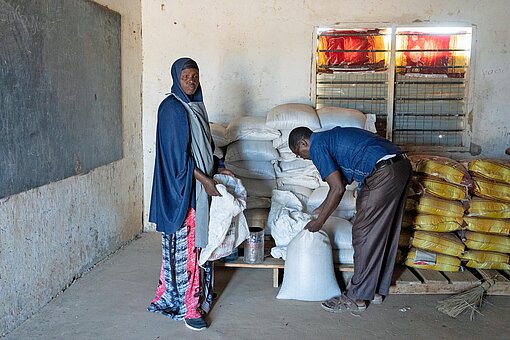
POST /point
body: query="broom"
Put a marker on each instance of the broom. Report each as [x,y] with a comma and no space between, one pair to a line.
[471,299]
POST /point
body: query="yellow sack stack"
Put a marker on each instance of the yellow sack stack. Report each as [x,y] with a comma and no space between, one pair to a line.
[436,223]
[442,167]
[440,261]
[442,243]
[479,241]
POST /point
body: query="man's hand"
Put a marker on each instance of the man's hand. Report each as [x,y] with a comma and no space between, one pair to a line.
[313,226]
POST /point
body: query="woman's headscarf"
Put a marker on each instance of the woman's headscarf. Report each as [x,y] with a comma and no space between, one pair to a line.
[178,66]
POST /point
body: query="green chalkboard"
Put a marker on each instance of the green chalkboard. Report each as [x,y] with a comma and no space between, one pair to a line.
[60,91]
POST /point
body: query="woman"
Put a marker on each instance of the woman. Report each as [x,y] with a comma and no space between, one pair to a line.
[180,198]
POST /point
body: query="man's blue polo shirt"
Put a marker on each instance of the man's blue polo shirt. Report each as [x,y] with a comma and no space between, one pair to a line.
[351,150]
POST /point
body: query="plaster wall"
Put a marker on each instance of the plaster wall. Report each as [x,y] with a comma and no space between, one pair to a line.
[52,234]
[254,55]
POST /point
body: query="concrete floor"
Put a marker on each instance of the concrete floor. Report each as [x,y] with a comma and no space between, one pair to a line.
[109,303]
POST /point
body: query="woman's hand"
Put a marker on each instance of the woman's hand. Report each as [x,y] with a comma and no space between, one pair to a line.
[209,185]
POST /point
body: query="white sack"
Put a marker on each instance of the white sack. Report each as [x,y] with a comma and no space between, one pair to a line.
[252,169]
[331,117]
[227,225]
[304,181]
[218,133]
[297,165]
[348,202]
[339,231]
[254,202]
[309,273]
[343,256]
[283,140]
[258,187]
[302,193]
[218,152]
[286,217]
[290,116]
[248,150]
[250,128]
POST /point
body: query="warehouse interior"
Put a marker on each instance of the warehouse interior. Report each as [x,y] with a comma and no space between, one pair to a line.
[78,257]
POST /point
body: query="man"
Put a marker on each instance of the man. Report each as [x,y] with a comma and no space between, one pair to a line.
[343,155]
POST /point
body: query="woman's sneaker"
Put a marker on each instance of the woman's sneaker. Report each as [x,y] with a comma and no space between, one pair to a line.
[198,324]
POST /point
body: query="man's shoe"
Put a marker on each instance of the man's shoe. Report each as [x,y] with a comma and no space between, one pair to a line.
[198,324]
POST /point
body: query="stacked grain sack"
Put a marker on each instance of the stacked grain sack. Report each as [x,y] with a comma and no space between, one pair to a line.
[442,184]
[250,156]
[488,217]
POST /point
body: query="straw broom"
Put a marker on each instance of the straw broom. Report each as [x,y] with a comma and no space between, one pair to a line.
[469,300]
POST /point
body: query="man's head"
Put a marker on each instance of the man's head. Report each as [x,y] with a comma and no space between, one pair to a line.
[299,142]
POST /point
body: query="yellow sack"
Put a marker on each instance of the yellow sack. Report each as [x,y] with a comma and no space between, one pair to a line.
[443,243]
[492,190]
[491,169]
[443,189]
[485,256]
[483,207]
[479,241]
[443,262]
[442,167]
[442,224]
[488,225]
[488,265]
[431,205]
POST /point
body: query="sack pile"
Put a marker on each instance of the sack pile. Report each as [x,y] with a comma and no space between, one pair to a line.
[487,220]
[250,156]
[440,186]
[443,189]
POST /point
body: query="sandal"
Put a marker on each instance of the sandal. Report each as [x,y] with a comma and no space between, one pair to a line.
[342,304]
[377,300]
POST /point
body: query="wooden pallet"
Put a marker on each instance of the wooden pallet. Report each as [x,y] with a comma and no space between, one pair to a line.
[406,280]
[419,281]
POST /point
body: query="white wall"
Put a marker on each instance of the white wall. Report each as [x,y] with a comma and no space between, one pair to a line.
[254,55]
[52,234]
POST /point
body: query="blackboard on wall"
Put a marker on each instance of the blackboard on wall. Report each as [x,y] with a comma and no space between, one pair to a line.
[60,91]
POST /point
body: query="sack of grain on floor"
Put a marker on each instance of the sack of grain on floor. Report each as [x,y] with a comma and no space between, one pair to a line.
[309,273]
[423,259]
[485,260]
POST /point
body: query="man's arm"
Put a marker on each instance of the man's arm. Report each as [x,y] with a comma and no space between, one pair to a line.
[336,191]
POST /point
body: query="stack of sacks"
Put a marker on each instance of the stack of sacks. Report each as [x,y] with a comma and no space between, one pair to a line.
[219,136]
[442,184]
[487,220]
[296,175]
[250,157]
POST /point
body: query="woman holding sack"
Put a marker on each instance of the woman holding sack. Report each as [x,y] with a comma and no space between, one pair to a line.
[181,188]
